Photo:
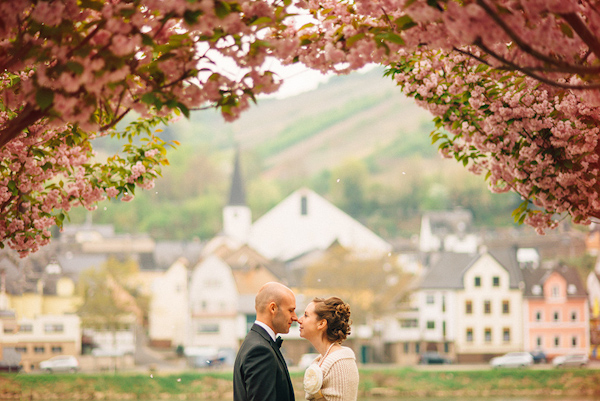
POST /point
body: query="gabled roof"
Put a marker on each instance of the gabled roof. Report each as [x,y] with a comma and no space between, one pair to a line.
[507,257]
[449,222]
[305,221]
[448,272]
[533,277]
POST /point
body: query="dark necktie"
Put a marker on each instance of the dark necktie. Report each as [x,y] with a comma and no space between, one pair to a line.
[278,342]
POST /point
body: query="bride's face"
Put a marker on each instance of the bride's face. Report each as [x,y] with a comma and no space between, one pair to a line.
[310,325]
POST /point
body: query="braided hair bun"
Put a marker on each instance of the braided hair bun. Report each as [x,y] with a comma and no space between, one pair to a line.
[337,314]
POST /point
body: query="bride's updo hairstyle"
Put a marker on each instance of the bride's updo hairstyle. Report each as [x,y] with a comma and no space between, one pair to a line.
[337,314]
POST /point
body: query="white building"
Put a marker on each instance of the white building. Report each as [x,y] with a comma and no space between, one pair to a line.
[43,337]
[213,303]
[490,308]
[305,221]
[169,310]
[448,231]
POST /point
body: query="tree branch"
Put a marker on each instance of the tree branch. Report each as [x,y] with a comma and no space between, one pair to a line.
[584,33]
[26,117]
[561,65]
[514,67]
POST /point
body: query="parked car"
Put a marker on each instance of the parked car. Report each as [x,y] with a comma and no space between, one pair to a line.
[539,357]
[512,359]
[433,358]
[570,360]
[60,363]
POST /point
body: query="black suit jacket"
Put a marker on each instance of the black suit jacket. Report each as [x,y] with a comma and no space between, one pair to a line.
[260,372]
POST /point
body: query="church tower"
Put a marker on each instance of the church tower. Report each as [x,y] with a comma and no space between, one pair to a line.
[237,217]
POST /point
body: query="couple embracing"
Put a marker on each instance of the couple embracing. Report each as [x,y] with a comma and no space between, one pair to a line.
[260,372]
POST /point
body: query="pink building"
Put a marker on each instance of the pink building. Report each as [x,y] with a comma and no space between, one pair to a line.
[556,311]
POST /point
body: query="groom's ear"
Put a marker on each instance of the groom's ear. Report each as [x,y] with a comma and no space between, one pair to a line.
[272,307]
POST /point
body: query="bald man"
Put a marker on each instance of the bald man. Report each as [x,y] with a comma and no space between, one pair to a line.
[260,372]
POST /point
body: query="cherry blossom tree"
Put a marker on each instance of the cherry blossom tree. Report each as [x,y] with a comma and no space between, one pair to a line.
[513,86]
[73,70]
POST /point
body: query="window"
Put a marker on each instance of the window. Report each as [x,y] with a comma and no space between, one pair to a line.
[54,328]
[506,334]
[446,347]
[556,316]
[57,349]
[496,281]
[469,335]
[574,341]
[208,329]
[430,325]
[406,349]
[444,328]
[574,316]
[21,350]
[487,335]
[469,307]
[430,299]
[443,303]
[304,206]
[407,323]
[557,341]
[538,316]
[477,281]
[487,307]
[417,348]
[506,307]
[538,341]
[555,291]
[26,328]
[39,350]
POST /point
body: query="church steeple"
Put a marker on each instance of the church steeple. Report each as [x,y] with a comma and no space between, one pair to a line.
[237,217]
[237,194]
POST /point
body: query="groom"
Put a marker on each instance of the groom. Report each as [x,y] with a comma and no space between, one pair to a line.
[260,372]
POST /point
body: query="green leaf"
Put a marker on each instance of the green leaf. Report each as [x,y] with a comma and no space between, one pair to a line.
[261,20]
[222,9]
[566,29]
[391,37]
[13,187]
[44,98]
[75,67]
[191,17]
[93,4]
[353,39]
[405,22]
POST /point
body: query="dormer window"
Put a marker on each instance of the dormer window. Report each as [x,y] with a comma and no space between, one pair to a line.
[555,291]
[571,289]
[304,206]
[536,289]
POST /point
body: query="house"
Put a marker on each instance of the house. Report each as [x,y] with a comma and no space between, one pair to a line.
[305,221]
[490,316]
[42,337]
[556,311]
[169,312]
[448,231]
[213,305]
[593,289]
[466,307]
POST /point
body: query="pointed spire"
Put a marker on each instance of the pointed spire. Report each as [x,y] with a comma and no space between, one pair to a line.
[237,195]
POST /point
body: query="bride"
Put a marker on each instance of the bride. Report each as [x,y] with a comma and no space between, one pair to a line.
[333,375]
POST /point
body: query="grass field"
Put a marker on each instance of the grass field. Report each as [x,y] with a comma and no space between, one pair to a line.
[389,383]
